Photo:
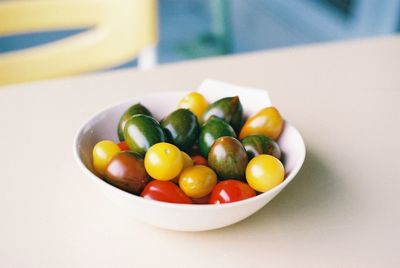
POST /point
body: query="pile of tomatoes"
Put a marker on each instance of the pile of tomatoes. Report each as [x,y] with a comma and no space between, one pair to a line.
[199,154]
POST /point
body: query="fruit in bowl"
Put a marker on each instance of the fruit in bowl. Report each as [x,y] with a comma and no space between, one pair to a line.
[159,151]
[170,157]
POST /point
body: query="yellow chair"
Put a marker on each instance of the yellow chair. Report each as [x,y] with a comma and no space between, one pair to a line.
[119,30]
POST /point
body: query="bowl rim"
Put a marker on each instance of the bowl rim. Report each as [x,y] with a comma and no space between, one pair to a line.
[145,201]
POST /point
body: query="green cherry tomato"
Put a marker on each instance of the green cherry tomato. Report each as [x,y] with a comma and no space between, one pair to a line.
[228,158]
[229,109]
[138,108]
[211,131]
[141,132]
[259,144]
[181,128]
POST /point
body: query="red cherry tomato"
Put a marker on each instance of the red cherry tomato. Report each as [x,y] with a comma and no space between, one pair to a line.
[202,200]
[123,146]
[199,160]
[165,191]
[229,191]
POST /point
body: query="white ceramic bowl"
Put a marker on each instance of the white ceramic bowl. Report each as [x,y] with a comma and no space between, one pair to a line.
[183,217]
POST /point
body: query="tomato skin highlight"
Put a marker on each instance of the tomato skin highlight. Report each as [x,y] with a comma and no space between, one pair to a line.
[138,108]
[229,191]
[199,160]
[165,191]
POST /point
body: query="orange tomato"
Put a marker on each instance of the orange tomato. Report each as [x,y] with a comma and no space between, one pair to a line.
[267,122]
[197,181]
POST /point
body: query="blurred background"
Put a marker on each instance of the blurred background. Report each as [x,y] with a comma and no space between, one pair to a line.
[190,29]
[198,28]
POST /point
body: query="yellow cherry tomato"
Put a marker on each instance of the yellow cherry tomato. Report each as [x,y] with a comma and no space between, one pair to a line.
[187,162]
[195,102]
[267,122]
[163,161]
[197,181]
[264,172]
[102,153]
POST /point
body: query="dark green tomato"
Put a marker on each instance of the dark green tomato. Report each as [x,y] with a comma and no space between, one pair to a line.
[259,144]
[228,158]
[133,110]
[229,109]
[126,171]
[141,132]
[212,130]
[181,128]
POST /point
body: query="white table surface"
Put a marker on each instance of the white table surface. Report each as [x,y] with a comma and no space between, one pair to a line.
[342,210]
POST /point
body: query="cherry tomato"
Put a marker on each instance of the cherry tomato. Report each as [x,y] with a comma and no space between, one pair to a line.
[102,153]
[195,102]
[126,171]
[165,191]
[197,181]
[163,161]
[229,191]
[187,162]
[267,122]
[199,160]
[202,200]
[123,146]
[264,172]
